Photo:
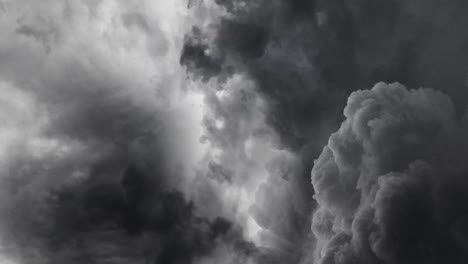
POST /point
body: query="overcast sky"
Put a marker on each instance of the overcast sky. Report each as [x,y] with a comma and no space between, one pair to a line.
[233,131]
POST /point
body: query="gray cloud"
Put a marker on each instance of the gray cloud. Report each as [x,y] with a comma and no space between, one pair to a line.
[305,57]
[100,159]
[389,184]
[96,145]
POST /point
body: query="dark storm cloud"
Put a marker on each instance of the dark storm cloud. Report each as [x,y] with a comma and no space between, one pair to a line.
[133,218]
[391,182]
[195,57]
[92,147]
[305,57]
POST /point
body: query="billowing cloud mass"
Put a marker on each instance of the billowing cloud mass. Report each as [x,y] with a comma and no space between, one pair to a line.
[99,130]
[391,183]
[304,58]
[307,56]
[177,131]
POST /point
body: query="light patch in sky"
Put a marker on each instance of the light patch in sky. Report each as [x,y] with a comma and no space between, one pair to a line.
[188,113]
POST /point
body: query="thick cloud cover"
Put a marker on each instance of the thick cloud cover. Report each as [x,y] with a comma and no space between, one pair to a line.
[99,131]
[304,57]
[103,104]
[391,183]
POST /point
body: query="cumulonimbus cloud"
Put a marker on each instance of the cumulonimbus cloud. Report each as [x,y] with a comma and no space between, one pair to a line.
[389,184]
[305,58]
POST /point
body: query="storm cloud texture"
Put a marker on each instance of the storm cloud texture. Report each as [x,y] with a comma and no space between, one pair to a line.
[213,131]
[94,137]
[391,182]
[304,58]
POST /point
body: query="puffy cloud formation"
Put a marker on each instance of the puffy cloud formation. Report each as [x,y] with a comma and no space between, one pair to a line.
[391,183]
